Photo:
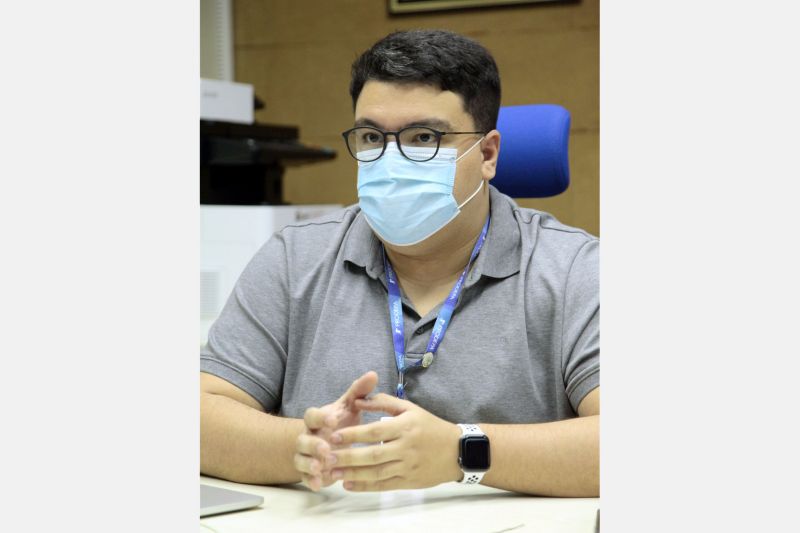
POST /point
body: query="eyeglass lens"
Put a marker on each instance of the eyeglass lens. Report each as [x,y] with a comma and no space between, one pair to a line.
[365,139]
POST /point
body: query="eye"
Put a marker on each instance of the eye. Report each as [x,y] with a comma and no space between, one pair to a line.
[371,137]
[424,138]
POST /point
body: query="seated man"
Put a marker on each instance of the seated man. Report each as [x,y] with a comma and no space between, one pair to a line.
[436,300]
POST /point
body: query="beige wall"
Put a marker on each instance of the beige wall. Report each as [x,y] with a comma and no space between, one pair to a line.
[297,54]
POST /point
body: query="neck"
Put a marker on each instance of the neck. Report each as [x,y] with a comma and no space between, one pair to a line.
[434,269]
[440,261]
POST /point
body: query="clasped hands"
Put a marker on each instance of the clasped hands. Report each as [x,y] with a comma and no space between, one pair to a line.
[413,450]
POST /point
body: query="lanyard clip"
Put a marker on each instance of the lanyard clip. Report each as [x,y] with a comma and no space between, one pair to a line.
[401,391]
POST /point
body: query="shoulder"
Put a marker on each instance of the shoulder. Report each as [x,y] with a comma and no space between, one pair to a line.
[302,240]
[545,229]
[558,243]
[318,244]
[545,242]
[321,227]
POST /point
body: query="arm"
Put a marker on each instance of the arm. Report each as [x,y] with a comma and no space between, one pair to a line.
[242,369]
[239,441]
[421,450]
[553,459]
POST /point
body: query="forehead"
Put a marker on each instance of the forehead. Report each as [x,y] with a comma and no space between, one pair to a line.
[396,105]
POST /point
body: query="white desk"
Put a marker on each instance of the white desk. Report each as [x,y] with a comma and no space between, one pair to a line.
[448,507]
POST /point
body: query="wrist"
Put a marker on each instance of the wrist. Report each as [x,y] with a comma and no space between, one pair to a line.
[454,472]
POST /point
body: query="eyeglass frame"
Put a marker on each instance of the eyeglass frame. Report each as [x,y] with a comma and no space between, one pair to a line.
[439,135]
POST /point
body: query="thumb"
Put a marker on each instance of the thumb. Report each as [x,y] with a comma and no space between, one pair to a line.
[384,403]
[360,388]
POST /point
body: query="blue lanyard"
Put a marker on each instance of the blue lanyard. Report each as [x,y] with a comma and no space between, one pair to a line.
[442,320]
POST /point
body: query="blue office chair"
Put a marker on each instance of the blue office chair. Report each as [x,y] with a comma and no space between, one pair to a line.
[533,159]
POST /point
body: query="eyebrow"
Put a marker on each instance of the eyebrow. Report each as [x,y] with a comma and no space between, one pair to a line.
[434,123]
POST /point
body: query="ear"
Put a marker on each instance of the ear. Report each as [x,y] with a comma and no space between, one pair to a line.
[490,148]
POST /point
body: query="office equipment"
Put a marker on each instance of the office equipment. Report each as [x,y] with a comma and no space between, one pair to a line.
[226,100]
[216,500]
[243,164]
[241,196]
[533,161]
[447,507]
[230,236]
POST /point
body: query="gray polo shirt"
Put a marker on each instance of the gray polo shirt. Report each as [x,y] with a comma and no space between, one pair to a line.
[310,314]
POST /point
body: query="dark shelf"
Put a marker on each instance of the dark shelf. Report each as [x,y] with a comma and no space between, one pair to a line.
[243,164]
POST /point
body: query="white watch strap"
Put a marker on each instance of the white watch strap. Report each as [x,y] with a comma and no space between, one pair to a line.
[471,478]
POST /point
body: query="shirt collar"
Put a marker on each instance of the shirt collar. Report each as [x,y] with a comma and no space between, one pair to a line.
[499,257]
[362,248]
[501,252]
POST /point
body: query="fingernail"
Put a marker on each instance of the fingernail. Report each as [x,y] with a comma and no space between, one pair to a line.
[336,438]
[332,459]
[337,474]
[348,485]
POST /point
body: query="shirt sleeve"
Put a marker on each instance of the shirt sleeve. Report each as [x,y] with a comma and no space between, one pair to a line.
[580,340]
[247,344]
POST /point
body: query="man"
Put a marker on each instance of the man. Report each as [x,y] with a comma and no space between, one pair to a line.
[436,301]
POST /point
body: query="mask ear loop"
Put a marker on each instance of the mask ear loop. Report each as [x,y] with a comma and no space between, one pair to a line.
[470,148]
[471,196]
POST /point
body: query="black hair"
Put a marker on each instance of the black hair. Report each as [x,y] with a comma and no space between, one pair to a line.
[441,58]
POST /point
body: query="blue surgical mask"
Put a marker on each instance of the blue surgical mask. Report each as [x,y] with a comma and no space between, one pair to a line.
[405,201]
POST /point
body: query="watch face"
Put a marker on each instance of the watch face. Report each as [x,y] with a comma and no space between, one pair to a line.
[475,453]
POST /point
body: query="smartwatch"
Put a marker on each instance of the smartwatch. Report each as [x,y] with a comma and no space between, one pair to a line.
[474,456]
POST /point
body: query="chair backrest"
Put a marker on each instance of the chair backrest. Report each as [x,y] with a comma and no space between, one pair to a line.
[533,160]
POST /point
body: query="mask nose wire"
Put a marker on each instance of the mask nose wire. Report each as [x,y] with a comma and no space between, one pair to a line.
[397,147]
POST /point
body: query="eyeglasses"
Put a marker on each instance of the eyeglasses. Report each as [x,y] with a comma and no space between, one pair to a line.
[366,139]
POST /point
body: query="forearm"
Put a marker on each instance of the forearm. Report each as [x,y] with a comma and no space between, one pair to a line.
[245,445]
[553,459]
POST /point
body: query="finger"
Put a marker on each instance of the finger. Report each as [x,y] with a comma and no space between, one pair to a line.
[394,483]
[367,455]
[369,433]
[327,480]
[319,417]
[384,403]
[308,444]
[360,388]
[312,482]
[307,465]
[370,473]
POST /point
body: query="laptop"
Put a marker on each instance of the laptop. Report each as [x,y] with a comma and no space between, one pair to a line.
[214,500]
